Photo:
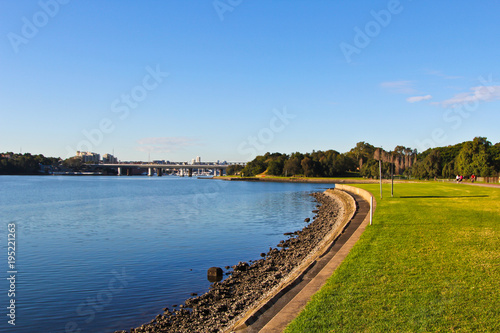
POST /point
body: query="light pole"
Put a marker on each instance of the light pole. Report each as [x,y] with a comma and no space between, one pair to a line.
[378,155]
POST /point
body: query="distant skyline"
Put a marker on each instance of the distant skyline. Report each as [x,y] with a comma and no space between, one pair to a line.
[226,80]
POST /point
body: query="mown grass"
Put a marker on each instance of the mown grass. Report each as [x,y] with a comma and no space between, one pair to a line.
[429,263]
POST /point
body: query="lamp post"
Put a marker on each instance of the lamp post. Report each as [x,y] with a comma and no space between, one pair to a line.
[378,155]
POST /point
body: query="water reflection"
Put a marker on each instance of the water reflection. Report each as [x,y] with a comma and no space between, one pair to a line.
[165,232]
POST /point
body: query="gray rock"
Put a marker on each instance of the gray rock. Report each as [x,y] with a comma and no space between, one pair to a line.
[212,311]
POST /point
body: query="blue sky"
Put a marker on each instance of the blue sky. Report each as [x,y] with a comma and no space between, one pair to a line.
[228,79]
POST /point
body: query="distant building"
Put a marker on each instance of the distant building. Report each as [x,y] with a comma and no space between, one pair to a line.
[198,159]
[109,159]
[88,157]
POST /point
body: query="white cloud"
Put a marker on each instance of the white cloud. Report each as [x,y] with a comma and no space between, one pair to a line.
[415,99]
[399,87]
[477,94]
[165,144]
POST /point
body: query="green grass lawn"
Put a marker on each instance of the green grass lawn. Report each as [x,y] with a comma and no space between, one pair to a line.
[429,263]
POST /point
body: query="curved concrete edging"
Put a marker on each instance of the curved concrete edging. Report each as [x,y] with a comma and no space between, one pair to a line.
[279,322]
[349,206]
[359,191]
[293,307]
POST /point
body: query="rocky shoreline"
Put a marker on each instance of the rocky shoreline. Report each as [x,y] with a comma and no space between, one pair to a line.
[228,300]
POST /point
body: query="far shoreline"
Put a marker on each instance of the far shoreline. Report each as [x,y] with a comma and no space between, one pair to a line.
[304,180]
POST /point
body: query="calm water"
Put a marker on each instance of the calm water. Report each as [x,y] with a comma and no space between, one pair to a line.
[98,254]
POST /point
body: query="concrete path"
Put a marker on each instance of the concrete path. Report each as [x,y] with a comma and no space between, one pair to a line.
[282,312]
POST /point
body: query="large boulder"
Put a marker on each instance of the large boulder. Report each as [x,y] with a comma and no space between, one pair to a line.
[214,274]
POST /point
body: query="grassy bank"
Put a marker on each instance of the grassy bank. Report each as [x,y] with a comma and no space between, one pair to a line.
[430,263]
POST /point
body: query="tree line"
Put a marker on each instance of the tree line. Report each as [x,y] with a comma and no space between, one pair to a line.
[479,157]
[28,164]
[24,164]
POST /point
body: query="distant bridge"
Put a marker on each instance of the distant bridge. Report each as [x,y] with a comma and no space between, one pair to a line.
[184,169]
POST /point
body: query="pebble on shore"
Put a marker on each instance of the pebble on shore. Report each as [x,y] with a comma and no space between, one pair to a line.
[228,299]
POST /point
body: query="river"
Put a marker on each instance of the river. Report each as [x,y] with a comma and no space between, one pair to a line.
[98,254]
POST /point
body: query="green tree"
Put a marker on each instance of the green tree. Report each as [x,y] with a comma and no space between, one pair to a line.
[449,170]
[292,166]
[307,166]
[432,165]
[24,164]
[275,167]
[75,163]
[494,153]
[255,167]
[418,171]
[361,153]
[403,158]
[371,169]
[234,169]
[473,158]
